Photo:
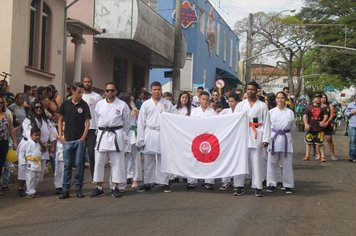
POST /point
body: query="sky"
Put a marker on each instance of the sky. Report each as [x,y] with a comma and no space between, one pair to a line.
[234,10]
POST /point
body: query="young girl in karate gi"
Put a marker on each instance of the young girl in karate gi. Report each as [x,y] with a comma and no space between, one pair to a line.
[281,145]
[233,100]
[133,155]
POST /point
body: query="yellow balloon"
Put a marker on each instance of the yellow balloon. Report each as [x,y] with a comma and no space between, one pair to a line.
[11,156]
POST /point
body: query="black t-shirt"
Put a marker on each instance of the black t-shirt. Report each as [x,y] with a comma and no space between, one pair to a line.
[74,116]
[315,115]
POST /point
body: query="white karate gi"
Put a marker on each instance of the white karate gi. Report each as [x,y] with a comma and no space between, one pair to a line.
[58,173]
[281,120]
[148,139]
[110,115]
[260,111]
[133,155]
[48,134]
[198,112]
[33,156]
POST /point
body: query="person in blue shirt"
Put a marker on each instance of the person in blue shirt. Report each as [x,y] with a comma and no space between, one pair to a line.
[350,112]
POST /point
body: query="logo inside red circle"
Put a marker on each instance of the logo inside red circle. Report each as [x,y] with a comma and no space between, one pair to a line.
[206,148]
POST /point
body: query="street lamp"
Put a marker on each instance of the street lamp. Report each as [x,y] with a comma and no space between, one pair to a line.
[249,45]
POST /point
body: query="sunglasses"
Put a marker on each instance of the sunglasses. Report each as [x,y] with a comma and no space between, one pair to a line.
[109,90]
[38,107]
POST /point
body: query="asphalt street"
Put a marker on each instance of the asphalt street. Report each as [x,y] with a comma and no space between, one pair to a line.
[323,203]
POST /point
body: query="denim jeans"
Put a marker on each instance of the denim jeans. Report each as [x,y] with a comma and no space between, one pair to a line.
[73,155]
[6,174]
[4,147]
[352,137]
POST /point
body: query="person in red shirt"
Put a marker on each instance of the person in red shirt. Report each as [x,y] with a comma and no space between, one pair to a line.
[315,118]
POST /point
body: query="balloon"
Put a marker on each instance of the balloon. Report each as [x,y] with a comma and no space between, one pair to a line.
[11,156]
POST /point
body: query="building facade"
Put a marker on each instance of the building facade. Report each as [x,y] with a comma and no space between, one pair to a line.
[31,42]
[272,79]
[134,38]
[212,47]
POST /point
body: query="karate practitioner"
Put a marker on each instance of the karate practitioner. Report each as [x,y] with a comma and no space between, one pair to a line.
[258,138]
[232,100]
[58,173]
[133,155]
[202,111]
[184,107]
[36,118]
[33,156]
[281,145]
[148,138]
[113,119]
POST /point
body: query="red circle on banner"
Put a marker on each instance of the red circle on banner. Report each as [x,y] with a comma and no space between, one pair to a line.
[206,148]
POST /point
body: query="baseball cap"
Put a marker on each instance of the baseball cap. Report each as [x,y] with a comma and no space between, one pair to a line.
[317,95]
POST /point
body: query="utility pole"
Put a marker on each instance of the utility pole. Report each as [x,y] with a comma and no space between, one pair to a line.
[249,49]
[177,52]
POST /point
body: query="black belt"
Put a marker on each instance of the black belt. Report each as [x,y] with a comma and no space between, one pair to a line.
[112,130]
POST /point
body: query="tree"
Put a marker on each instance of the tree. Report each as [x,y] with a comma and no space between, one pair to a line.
[273,32]
[333,17]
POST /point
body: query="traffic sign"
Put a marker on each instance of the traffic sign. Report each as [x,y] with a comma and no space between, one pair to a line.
[220,83]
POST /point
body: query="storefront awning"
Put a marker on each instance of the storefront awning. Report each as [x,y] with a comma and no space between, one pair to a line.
[231,81]
[136,28]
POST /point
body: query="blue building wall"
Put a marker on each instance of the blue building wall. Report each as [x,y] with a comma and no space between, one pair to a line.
[204,65]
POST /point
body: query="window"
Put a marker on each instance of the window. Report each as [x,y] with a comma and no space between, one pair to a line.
[237,57]
[225,45]
[231,51]
[120,73]
[40,30]
[152,3]
[218,39]
[202,23]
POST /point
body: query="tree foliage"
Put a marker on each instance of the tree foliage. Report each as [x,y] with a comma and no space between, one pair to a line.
[271,31]
[333,17]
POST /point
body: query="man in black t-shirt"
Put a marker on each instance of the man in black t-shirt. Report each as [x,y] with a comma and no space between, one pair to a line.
[75,115]
[314,119]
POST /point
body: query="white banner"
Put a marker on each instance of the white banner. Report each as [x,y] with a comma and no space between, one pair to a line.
[204,148]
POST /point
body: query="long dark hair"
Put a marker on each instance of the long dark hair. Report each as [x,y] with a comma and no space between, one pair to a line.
[32,116]
[189,103]
[326,96]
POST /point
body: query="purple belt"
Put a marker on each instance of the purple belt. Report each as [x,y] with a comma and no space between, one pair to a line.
[281,132]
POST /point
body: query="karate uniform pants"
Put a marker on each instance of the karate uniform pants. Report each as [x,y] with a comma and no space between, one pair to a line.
[32,179]
[133,164]
[195,181]
[117,164]
[152,170]
[255,161]
[226,180]
[21,172]
[264,163]
[58,174]
[273,167]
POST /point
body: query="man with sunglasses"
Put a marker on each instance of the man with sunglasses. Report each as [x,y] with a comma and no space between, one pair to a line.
[75,114]
[113,119]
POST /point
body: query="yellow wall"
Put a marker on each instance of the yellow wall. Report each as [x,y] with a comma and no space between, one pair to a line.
[19,45]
